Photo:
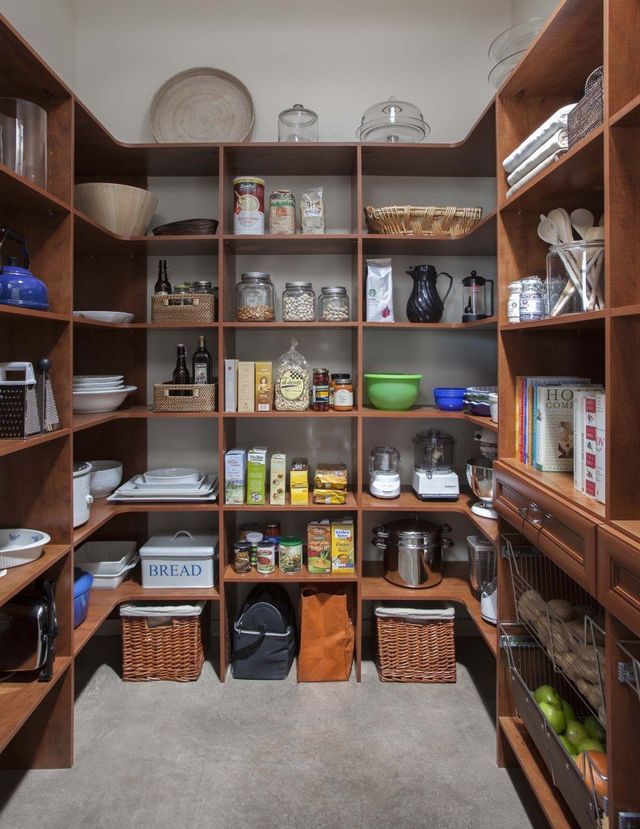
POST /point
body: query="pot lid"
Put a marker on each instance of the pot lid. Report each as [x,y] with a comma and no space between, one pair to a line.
[298,116]
[180,544]
[81,468]
[394,122]
[82,582]
[411,528]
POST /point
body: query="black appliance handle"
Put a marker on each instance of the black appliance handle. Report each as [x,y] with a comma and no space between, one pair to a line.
[249,650]
[46,672]
[7,233]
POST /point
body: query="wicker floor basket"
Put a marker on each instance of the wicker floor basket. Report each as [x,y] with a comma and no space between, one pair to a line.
[422,221]
[192,308]
[170,398]
[409,651]
[173,651]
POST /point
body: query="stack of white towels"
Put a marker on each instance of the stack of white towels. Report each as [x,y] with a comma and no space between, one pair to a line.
[538,151]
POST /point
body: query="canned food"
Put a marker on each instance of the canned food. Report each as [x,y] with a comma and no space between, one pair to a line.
[242,557]
[290,555]
[266,556]
[248,205]
[282,212]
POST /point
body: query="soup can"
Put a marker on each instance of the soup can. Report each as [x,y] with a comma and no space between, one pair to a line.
[266,556]
[248,205]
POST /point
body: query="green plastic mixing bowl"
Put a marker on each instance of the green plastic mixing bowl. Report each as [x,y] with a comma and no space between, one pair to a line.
[393,392]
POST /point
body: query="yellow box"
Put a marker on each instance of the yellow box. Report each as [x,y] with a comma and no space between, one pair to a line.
[264,387]
[343,546]
[299,481]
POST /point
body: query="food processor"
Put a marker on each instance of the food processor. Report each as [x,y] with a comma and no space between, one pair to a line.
[384,472]
[433,476]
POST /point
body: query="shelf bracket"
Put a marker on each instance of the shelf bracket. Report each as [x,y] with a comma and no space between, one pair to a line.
[628,820]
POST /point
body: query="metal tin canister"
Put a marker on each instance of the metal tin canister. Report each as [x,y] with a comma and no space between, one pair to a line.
[248,205]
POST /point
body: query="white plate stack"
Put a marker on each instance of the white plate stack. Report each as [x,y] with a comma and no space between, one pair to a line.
[99,392]
[171,484]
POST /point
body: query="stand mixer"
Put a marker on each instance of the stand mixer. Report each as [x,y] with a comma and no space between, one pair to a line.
[433,476]
[480,473]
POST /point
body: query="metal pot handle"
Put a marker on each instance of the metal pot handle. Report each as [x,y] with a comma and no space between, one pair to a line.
[380,537]
[447,543]
[446,528]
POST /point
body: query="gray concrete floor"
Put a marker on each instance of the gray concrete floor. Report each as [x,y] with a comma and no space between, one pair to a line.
[276,755]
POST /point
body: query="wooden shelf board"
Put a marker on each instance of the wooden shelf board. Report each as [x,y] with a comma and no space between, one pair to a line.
[488,324]
[586,319]
[32,314]
[578,172]
[103,602]
[317,158]
[454,587]
[283,326]
[626,311]
[628,115]
[20,697]
[23,196]
[557,484]
[330,415]
[311,243]
[484,422]
[534,769]
[430,413]
[479,241]
[303,576]
[10,445]
[90,419]
[146,326]
[17,578]
[351,505]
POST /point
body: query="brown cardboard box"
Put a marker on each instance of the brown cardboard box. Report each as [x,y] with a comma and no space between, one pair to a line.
[264,387]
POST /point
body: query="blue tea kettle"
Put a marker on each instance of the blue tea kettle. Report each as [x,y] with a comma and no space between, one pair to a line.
[18,286]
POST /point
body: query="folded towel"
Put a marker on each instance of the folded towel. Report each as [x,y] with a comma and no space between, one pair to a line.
[557,121]
[161,610]
[558,143]
[416,614]
[533,173]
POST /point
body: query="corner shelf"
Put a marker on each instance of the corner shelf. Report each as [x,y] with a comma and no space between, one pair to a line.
[26,197]
[583,319]
[230,577]
[17,578]
[488,324]
[350,506]
[32,314]
[10,445]
[87,420]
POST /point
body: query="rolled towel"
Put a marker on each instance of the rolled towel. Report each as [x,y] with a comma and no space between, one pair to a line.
[558,143]
[557,121]
[533,173]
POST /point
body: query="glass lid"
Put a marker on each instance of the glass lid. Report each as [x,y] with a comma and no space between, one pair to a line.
[298,116]
[394,122]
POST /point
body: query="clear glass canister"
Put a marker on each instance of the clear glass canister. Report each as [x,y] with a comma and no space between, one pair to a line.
[575,278]
[23,139]
[255,298]
[297,124]
[333,305]
[513,302]
[298,302]
[532,299]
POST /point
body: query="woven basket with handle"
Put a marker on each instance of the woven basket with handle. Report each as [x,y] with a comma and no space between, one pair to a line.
[410,651]
[189,397]
[422,221]
[173,651]
[588,113]
[177,308]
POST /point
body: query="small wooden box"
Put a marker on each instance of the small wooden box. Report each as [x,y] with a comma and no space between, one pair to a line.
[189,397]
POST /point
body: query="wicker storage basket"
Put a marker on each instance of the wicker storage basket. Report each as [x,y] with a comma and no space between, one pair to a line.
[188,397]
[171,651]
[422,221]
[187,227]
[415,651]
[178,308]
[588,113]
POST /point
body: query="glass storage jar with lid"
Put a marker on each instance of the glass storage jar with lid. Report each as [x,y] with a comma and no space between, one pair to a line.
[333,305]
[297,124]
[255,298]
[298,302]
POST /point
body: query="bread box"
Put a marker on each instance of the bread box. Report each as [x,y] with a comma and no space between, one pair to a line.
[180,560]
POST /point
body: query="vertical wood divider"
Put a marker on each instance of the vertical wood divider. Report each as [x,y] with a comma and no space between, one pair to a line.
[222,630]
[358,401]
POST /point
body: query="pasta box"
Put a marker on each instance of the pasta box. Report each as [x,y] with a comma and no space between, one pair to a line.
[180,560]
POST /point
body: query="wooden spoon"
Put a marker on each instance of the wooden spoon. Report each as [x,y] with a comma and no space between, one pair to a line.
[582,221]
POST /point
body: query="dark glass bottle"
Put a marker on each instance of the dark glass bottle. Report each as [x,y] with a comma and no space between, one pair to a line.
[162,286]
[181,372]
[202,363]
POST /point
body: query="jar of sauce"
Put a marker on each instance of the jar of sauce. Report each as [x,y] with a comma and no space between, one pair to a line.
[320,395]
[343,393]
[266,556]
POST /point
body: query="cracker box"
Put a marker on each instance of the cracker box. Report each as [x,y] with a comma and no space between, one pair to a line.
[235,467]
[278,479]
[343,546]
[256,475]
[264,387]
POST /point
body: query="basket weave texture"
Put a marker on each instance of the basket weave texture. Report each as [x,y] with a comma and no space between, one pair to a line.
[416,652]
[588,113]
[173,651]
[201,308]
[422,221]
[188,397]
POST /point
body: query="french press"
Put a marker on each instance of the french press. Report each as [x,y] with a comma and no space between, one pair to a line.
[475,293]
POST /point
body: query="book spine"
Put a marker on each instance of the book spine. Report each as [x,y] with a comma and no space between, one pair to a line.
[578,436]
[600,446]
[590,434]
[231,385]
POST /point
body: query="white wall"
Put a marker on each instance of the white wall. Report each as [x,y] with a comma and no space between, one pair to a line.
[49,27]
[524,9]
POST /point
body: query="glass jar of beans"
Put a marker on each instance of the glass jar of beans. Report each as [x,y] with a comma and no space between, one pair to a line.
[255,298]
[298,302]
[334,305]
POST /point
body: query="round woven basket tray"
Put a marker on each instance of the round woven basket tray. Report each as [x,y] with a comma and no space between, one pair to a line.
[187,227]
[422,221]
[202,105]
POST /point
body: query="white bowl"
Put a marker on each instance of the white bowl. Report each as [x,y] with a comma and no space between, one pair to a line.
[106,476]
[105,316]
[93,379]
[100,401]
[173,475]
[21,546]
[122,209]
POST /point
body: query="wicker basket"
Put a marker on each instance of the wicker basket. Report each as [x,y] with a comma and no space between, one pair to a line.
[409,651]
[422,221]
[588,113]
[178,308]
[189,397]
[187,227]
[173,651]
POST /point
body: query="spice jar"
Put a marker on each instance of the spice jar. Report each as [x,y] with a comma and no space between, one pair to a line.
[513,303]
[343,393]
[333,305]
[532,299]
[266,556]
[290,555]
[298,302]
[255,298]
[254,538]
[320,391]
[242,557]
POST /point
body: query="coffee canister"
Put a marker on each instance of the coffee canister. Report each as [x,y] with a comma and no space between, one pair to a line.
[413,551]
[248,205]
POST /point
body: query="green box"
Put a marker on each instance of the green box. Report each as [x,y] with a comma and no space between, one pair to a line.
[256,475]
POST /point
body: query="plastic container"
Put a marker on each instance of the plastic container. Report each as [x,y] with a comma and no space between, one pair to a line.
[449,399]
[81,593]
[179,560]
[393,392]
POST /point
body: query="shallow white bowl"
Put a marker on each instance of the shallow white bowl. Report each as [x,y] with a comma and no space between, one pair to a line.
[20,546]
[106,476]
[105,316]
[172,475]
[100,401]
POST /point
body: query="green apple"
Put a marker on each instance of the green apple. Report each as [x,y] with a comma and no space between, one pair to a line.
[545,693]
[591,745]
[568,711]
[595,729]
[554,716]
[568,745]
[576,733]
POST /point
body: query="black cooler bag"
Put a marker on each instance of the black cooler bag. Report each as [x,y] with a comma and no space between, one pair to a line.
[264,635]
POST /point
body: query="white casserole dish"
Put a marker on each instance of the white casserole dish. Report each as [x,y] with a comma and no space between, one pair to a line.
[105,558]
[20,546]
[111,582]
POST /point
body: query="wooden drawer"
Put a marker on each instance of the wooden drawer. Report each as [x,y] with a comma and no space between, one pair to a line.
[619,577]
[562,532]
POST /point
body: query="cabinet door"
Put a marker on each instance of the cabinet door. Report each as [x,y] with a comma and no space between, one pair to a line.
[619,577]
[561,531]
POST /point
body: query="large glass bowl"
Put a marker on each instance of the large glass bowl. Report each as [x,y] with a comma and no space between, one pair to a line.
[393,122]
[517,38]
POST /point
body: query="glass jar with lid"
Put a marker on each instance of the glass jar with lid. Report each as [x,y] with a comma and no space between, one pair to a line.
[333,305]
[255,298]
[532,299]
[297,124]
[298,302]
[393,121]
[513,302]
[202,286]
